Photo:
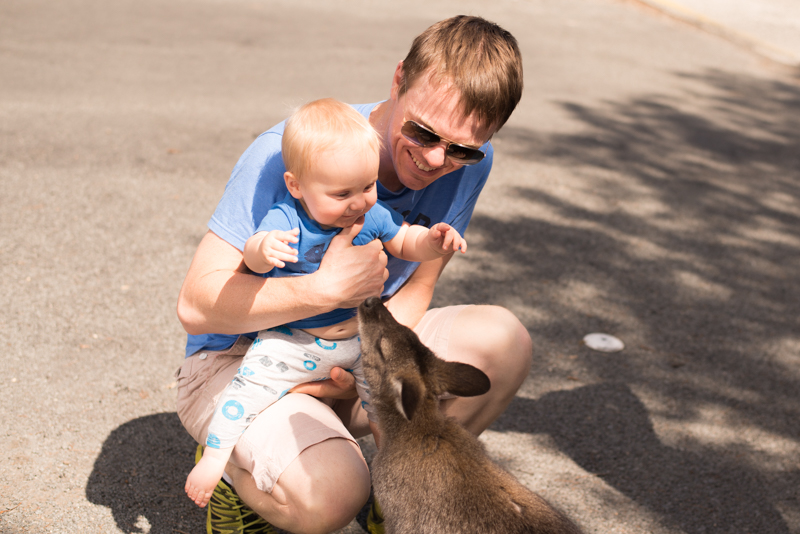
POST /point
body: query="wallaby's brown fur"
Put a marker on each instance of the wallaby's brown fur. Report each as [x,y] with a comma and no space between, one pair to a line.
[430,475]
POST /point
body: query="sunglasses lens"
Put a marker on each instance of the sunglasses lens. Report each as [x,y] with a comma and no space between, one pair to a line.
[464,154]
[419,135]
[423,137]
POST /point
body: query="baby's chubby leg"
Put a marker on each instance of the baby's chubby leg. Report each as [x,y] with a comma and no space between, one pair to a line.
[206,474]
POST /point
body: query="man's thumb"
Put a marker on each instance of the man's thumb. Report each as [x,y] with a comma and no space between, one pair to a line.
[352,231]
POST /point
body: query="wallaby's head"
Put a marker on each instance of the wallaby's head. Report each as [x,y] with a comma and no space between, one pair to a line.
[401,371]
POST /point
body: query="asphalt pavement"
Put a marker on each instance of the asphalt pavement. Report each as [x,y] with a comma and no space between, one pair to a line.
[767,27]
[647,187]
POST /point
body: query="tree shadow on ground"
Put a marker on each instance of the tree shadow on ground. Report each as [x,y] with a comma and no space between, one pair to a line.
[140,474]
[605,429]
[674,223]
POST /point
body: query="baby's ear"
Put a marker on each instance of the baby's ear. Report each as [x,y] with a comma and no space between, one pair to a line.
[292,185]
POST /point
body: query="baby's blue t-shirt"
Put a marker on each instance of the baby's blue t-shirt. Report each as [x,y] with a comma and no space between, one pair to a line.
[256,183]
[380,222]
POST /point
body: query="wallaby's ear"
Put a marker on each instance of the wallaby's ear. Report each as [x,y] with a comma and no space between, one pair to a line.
[461,379]
[408,394]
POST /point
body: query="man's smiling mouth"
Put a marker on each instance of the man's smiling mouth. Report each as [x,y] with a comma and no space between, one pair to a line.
[421,166]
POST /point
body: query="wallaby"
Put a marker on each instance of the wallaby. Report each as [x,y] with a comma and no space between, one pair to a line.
[430,475]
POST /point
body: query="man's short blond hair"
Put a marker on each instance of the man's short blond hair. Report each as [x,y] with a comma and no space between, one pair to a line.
[320,126]
[479,58]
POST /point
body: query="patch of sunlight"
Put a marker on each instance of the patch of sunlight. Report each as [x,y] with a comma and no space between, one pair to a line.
[142,524]
[780,201]
[786,353]
[721,389]
[644,249]
[697,286]
[536,461]
[583,292]
[789,510]
[770,231]
[644,207]
[676,224]
[716,426]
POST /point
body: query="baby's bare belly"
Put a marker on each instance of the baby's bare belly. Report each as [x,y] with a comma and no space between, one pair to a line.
[342,330]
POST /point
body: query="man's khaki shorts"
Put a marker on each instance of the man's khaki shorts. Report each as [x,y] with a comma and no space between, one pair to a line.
[297,421]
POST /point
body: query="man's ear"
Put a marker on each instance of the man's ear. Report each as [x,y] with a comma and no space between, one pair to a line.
[292,185]
[397,81]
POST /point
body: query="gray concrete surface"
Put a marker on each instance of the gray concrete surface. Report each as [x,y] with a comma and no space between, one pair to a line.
[768,27]
[647,187]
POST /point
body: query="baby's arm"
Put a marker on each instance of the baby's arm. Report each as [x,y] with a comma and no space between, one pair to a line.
[417,243]
[265,250]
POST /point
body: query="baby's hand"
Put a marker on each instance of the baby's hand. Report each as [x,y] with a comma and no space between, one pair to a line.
[275,249]
[444,239]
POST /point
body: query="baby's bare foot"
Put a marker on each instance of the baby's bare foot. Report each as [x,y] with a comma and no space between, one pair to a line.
[203,479]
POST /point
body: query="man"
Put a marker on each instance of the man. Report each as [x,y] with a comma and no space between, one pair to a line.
[298,465]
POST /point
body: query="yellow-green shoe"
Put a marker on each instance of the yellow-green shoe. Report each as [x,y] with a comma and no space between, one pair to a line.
[375,519]
[227,514]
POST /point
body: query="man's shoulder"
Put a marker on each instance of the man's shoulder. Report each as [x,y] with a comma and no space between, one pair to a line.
[365,109]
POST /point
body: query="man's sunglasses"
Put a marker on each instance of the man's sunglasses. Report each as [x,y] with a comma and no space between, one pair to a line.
[419,135]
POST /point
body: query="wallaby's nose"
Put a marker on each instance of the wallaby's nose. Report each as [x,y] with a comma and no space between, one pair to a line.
[372,302]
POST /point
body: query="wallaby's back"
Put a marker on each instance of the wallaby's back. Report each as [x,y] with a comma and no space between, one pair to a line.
[431,475]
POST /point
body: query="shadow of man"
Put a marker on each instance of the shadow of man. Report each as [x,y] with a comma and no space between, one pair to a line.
[606,430]
[140,474]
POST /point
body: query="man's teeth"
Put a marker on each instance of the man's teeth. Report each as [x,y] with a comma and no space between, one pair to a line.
[421,166]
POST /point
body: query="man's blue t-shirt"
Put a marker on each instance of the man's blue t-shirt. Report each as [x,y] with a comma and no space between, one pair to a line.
[256,183]
[380,222]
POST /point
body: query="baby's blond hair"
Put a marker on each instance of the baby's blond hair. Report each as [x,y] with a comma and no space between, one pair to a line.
[320,126]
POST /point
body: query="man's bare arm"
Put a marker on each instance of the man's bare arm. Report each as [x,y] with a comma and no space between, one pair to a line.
[219,295]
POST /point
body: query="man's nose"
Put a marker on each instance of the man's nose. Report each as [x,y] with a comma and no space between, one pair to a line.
[435,156]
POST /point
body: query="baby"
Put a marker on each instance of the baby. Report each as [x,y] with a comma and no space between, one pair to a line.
[331,156]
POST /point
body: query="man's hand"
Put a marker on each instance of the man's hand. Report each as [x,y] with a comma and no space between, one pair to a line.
[342,385]
[350,274]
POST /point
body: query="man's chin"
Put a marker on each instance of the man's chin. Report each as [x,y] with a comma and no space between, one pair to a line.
[420,180]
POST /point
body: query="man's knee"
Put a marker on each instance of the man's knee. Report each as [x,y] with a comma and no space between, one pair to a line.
[328,511]
[336,511]
[509,330]
[502,342]
[330,499]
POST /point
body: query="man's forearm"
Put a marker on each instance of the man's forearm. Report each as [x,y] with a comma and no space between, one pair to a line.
[219,295]
[235,303]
